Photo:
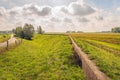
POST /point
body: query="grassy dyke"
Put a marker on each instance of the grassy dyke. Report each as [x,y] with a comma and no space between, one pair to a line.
[108,62]
[46,57]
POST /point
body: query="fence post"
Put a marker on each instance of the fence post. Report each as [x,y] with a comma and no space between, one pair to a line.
[21,40]
[15,42]
[7,44]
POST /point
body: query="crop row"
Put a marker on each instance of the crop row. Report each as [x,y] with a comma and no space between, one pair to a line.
[109,38]
[106,46]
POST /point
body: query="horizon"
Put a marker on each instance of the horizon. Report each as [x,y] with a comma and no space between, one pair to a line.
[61,15]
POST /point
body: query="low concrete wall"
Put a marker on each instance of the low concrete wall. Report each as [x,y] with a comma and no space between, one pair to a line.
[92,72]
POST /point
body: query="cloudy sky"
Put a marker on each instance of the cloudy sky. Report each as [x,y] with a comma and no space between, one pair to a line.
[61,15]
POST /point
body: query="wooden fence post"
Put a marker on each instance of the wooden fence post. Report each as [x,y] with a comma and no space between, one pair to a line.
[15,42]
[7,44]
[21,40]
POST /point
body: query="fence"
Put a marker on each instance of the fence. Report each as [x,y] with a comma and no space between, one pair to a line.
[9,44]
[92,72]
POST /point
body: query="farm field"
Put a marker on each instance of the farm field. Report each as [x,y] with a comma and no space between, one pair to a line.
[2,39]
[103,49]
[46,57]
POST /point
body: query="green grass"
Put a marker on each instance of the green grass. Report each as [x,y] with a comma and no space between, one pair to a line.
[46,57]
[108,62]
[2,38]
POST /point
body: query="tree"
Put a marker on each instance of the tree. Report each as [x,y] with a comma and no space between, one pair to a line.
[116,30]
[19,32]
[79,31]
[28,31]
[39,30]
[68,31]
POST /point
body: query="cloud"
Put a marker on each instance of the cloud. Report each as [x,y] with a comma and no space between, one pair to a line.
[13,12]
[2,11]
[99,18]
[83,19]
[5,0]
[81,9]
[54,19]
[67,20]
[78,9]
[64,10]
[34,9]
[118,9]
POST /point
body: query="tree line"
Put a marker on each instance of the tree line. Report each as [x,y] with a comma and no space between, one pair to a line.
[27,31]
[116,30]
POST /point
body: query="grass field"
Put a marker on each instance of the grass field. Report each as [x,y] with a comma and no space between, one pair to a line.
[103,49]
[46,57]
[2,38]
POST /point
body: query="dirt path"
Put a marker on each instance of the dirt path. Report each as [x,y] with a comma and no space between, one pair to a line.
[90,69]
[11,40]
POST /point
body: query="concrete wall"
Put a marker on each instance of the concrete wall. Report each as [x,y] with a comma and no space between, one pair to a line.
[92,72]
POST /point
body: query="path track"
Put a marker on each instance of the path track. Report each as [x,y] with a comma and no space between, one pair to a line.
[11,40]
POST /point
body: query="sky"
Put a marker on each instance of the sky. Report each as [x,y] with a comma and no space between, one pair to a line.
[61,15]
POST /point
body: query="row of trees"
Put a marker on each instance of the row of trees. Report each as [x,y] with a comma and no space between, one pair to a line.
[116,30]
[27,31]
[74,31]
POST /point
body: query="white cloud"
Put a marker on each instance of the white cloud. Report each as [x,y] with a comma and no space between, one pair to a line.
[118,9]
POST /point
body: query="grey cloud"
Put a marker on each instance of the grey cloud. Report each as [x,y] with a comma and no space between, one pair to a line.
[55,19]
[32,9]
[83,20]
[77,9]
[81,10]
[0,14]
[99,18]
[67,20]
[13,13]
[65,10]
[31,19]
[45,11]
